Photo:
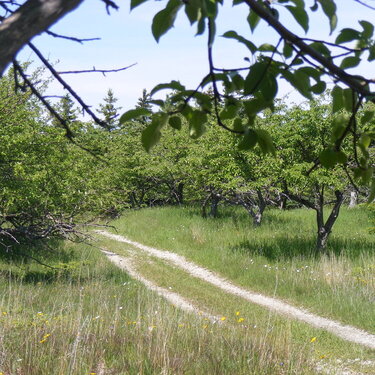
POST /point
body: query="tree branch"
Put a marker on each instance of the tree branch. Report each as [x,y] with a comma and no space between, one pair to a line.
[94,70]
[32,18]
[354,82]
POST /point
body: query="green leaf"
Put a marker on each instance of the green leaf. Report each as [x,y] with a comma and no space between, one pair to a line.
[365,141]
[233,35]
[337,99]
[319,87]
[367,116]
[339,124]
[253,20]
[211,7]
[300,81]
[367,175]
[197,122]
[328,158]
[135,3]
[238,81]
[265,142]
[300,15]
[329,9]
[157,102]
[321,48]
[348,99]
[371,56]
[368,29]
[201,26]
[341,157]
[164,20]
[254,106]
[254,78]
[192,8]
[151,135]
[266,47]
[269,87]
[134,113]
[347,35]
[237,125]
[229,112]
[249,140]
[173,85]
[287,50]
[350,62]
[175,122]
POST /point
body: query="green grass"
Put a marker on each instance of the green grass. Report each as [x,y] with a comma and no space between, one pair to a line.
[260,322]
[277,258]
[89,317]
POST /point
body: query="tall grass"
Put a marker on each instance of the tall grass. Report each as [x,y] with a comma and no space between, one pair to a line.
[88,317]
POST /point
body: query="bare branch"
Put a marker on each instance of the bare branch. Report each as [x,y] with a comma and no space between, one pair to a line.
[94,70]
[365,4]
[85,107]
[72,38]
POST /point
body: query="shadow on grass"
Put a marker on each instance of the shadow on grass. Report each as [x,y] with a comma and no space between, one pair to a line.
[39,261]
[286,247]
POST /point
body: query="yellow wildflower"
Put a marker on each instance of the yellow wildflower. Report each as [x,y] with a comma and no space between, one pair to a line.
[240,320]
[223,318]
[313,339]
[237,313]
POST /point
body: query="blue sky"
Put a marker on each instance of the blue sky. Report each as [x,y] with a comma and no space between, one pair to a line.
[126,38]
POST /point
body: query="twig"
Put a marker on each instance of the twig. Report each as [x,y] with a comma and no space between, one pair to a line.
[94,70]
[72,38]
[85,107]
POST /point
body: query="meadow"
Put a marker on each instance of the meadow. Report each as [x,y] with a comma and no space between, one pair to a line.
[85,316]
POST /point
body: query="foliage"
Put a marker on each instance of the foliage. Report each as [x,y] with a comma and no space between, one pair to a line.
[307,64]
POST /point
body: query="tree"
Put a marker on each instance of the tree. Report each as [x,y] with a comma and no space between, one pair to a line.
[109,111]
[301,133]
[307,64]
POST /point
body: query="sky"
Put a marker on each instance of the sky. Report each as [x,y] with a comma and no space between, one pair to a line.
[126,39]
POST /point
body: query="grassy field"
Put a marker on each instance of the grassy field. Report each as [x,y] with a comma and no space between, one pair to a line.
[85,316]
[277,258]
[88,317]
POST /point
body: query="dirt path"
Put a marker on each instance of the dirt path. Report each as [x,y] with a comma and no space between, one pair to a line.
[174,298]
[345,332]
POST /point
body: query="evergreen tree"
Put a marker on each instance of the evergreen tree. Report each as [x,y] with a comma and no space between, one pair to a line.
[109,111]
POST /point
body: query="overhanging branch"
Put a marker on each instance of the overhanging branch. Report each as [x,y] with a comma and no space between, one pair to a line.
[32,18]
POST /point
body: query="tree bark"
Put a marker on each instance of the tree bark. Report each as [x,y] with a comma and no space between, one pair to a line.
[214,204]
[180,193]
[353,199]
[31,18]
[324,229]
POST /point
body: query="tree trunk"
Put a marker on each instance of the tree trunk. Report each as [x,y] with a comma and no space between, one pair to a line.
[180,193]
[353,199]
[257,219]
[322,238]
[214,203]
[324,229]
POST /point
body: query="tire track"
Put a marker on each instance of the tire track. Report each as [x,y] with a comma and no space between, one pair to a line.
[345,332]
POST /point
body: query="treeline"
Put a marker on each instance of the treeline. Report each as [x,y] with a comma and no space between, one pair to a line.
[49,183]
